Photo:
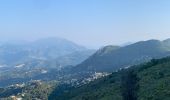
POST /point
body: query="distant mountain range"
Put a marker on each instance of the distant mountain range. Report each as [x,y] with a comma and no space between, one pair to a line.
[112,58]
[45,49]
[21,62]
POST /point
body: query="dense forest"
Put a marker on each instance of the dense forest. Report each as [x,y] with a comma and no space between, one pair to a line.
[147,81]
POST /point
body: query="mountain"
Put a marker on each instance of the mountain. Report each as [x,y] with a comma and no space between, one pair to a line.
[147,81]
[54,47]
[44,49]
[41,59]
[111,58]
[74,58]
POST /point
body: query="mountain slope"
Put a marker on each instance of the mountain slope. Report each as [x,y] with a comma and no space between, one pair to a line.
[44,49]
[148,81]
[54,47]
[41,69]
[125,56]
[21,62]
[74,58]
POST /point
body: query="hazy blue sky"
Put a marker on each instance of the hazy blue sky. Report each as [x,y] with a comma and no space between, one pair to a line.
[86,22]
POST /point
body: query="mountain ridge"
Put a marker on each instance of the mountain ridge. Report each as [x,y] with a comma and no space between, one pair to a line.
[125,56]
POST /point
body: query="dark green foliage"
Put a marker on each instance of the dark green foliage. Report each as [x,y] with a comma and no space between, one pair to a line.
[103,89]
[129,85]
[59,90]
[148,81]
[154,81]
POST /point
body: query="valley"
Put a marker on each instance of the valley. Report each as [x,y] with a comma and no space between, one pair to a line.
[102,70]
[84,50]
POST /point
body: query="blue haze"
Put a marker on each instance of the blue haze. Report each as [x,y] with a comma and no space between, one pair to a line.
[92,23]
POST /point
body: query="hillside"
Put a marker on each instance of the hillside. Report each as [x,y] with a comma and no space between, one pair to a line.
[33,90]
[148,81]
[43,49]
[74,58]
[23,61]
[110,59]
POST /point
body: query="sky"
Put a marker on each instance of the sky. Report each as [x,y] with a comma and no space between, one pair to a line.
[92,23]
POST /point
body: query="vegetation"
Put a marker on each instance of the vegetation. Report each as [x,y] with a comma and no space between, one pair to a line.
[148,81]
[34,90]
[154,81]
[129,85]
[112,58]
[101,89]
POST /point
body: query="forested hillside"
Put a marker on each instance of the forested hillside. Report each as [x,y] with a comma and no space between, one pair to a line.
[111,58]
[148,81]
